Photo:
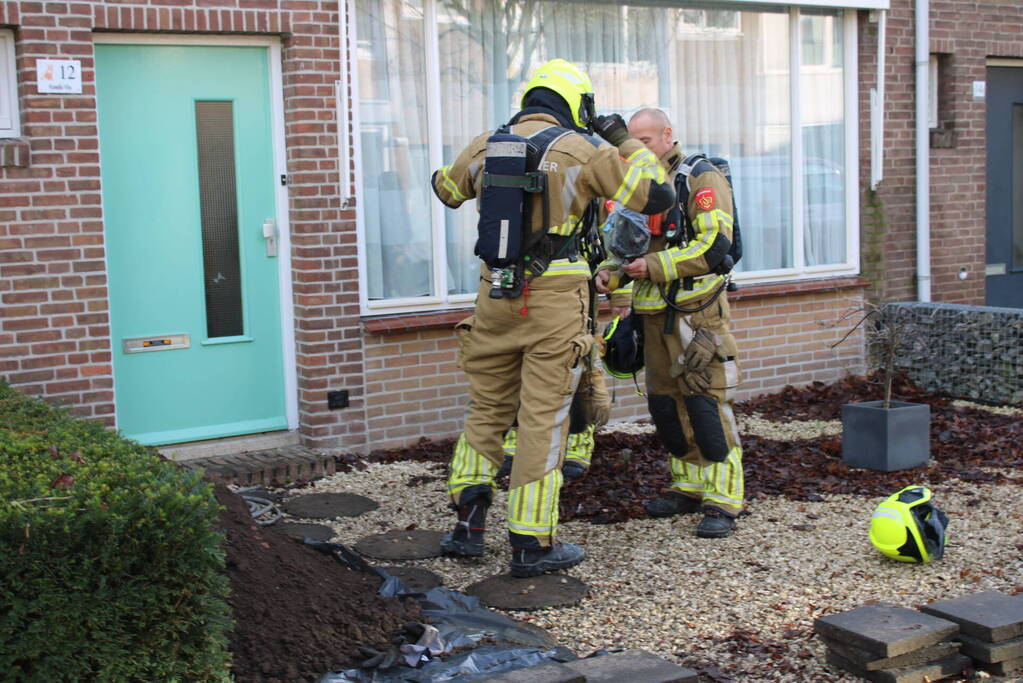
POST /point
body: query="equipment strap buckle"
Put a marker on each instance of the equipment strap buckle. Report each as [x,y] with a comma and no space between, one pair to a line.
[533,182]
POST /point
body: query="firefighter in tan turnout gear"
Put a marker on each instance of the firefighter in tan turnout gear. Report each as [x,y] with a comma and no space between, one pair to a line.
[528,341]
[689,352]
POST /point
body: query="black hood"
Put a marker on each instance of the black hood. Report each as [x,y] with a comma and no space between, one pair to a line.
[546,101]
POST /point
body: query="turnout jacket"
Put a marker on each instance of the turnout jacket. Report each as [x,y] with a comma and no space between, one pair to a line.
[710,209]
[578,170]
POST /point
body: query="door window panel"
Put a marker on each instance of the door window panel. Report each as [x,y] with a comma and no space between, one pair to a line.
[218,203]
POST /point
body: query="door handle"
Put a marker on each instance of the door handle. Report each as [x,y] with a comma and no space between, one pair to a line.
[270,235]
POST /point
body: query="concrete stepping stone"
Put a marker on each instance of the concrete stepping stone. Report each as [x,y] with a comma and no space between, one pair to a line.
[301,530]
[416,579]
[885,630]
[634,666]
[921,673]
[869,662]
[329,505]
[541,673]
[1006,668]
[414,544]
[536,592]
[991,653]
[990,616]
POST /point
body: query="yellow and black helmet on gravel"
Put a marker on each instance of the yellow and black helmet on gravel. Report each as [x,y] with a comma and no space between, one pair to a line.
[907,527]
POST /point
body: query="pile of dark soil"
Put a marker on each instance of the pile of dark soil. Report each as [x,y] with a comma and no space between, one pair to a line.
[298,613]
[630,469]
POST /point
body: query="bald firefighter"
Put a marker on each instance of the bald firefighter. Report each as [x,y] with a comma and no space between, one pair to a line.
[689,352]
[528,341]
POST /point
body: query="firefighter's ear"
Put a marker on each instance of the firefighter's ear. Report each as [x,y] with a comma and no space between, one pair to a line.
[668,136]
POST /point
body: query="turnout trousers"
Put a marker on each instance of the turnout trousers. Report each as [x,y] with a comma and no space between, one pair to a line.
[524,358]
[698,430]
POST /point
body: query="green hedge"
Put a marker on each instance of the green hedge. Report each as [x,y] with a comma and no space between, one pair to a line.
[110,565]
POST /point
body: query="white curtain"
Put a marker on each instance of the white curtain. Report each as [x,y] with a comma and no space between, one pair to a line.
[395,201]
[721,74]
[823,108]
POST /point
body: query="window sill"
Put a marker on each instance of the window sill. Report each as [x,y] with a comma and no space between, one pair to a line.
[445,320]
[776,289]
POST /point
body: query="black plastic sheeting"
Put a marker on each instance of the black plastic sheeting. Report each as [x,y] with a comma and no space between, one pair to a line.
[463,623]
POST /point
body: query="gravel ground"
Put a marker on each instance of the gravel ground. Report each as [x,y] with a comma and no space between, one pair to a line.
[740,608]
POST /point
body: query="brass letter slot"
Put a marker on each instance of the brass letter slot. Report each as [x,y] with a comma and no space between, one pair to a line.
[156,343]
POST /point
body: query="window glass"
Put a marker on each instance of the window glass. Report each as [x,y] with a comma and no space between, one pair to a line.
[823,108]
[9,124]
[722,74]
[396,196]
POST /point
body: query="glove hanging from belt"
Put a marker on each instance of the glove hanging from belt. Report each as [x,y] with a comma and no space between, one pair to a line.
[693,368]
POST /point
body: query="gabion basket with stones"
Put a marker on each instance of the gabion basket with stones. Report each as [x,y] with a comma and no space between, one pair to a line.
[966,351]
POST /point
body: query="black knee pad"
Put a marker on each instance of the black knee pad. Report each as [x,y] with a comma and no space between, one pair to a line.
[707,428]
[471,493]
[664,412]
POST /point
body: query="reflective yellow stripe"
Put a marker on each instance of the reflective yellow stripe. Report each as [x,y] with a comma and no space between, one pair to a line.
[511,440]
[450,185]
[468,468]
[685,477]
[566,228]
[647,297]
[707,226]
[580,446]
[533,508]
[566,267]
[628,185]
[724,481]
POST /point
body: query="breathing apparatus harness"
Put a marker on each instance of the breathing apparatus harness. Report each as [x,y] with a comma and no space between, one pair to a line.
[512,184]
[679,231]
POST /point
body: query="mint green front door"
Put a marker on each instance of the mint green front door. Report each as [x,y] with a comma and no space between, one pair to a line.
[188,177]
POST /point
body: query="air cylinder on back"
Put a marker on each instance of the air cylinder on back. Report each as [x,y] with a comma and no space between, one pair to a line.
[499,242]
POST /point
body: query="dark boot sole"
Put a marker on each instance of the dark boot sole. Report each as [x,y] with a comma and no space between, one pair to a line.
[462,549]
[543,567]
[687,510]
[715,534]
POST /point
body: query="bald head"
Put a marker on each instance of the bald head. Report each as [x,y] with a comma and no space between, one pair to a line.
[652,127]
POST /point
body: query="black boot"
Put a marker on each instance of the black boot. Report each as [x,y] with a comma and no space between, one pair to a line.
[505,469]
[572,470]
[673,503]
[716,523]
[529,558]
[466,539]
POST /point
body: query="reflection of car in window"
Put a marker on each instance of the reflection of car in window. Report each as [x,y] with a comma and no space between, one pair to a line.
[763,191]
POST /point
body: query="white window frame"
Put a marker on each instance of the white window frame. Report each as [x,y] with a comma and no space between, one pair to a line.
[10,119]
[798,272]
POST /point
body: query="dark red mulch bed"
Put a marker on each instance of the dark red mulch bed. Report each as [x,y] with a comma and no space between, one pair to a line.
[630,469]
[298,613]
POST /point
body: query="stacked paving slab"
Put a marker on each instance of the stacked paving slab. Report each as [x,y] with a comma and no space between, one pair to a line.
[631,666]
[890,644]
[991,628]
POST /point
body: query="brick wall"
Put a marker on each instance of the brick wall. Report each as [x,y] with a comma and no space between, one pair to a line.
[54,326]
[414,390]
[965,34]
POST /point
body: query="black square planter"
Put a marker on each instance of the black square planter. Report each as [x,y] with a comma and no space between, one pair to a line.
[886,439]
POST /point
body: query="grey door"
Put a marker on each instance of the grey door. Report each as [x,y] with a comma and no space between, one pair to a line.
[1005,186]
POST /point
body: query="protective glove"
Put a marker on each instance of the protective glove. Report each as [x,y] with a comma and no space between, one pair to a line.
[612,128]
[700,351]
[696,382]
